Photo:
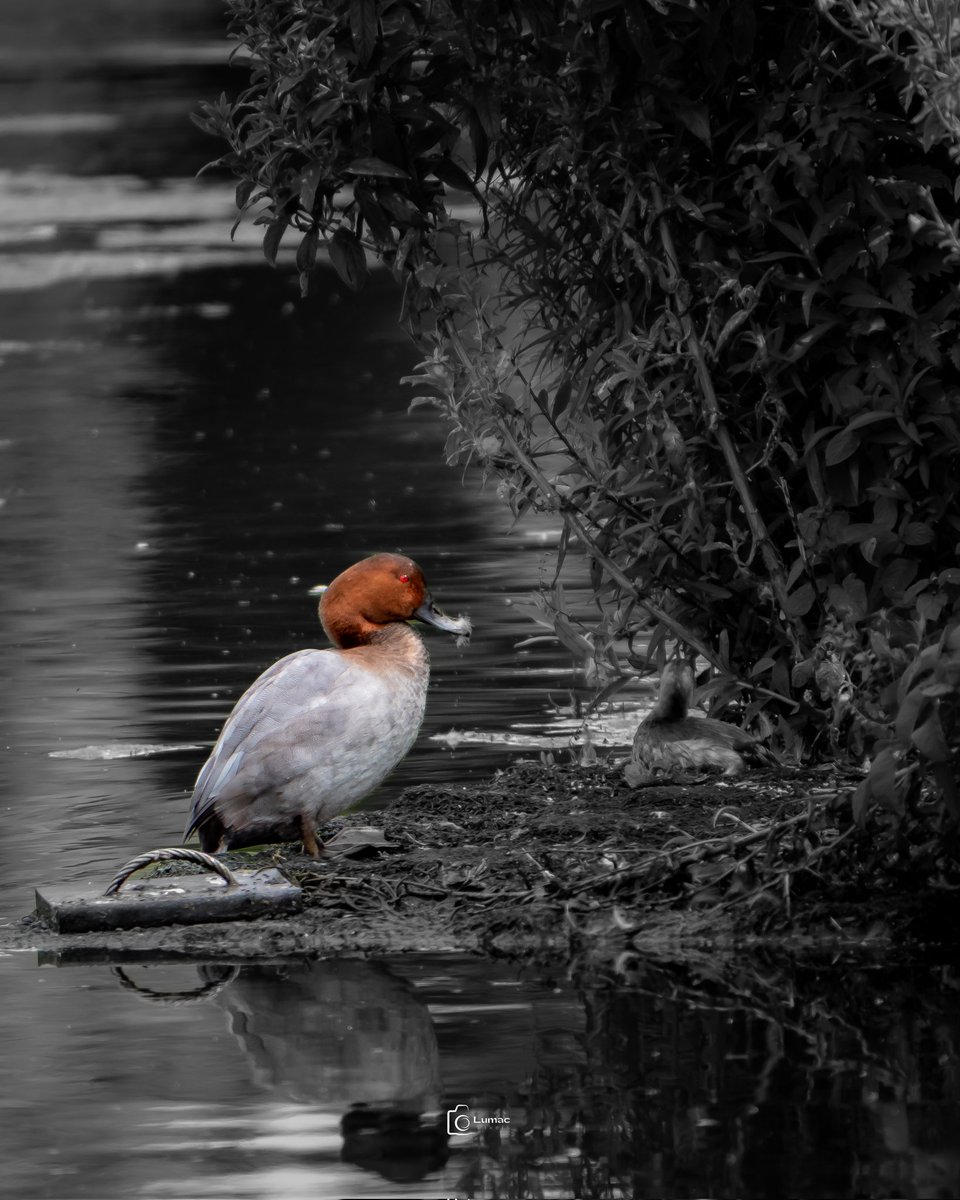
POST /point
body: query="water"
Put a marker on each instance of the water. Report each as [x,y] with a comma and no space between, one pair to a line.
[245,1080]
[185,448]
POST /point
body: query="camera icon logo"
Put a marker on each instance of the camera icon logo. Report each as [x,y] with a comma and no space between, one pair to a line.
[458,1120]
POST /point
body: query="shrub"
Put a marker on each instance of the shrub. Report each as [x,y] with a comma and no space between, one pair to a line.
[710,318]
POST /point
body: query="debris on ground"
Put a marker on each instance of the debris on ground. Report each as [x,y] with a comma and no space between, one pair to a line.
[563,858]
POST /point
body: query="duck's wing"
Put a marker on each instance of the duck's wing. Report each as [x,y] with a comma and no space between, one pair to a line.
[287,691]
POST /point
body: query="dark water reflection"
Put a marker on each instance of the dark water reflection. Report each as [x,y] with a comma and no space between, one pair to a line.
[335,1078]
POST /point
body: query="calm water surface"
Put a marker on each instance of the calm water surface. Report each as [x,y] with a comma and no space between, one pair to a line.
[185,448]
[339,1077]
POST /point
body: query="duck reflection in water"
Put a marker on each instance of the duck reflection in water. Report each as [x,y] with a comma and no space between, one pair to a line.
[350,1037]
[671,739]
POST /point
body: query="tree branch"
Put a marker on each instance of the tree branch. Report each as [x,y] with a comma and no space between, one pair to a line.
[717,426]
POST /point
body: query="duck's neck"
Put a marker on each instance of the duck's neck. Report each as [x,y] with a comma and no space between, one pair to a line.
[396,644]
[673,700]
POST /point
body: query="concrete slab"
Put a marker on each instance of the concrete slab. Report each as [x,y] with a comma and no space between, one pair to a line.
[167,900]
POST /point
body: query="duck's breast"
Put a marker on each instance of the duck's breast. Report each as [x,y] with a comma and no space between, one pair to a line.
[350,739]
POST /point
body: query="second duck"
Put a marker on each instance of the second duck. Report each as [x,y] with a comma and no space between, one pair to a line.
[670,739]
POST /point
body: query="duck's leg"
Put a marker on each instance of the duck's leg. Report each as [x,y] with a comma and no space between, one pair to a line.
[211,834]
[309,835]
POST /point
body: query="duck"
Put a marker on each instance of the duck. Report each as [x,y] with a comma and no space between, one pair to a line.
[670,739]
[320,729]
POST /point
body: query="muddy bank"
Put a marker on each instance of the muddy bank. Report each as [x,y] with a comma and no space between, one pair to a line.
[565,860]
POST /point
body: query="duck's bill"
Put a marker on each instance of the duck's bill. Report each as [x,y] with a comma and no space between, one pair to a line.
[430,614]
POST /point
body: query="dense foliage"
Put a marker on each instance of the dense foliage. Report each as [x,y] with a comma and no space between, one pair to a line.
[709,317]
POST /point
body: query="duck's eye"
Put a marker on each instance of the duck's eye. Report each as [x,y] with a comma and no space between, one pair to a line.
[404,578]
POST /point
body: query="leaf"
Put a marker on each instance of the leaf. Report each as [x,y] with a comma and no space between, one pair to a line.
[363,28]
[447,171]
[244,191]
[428,274]
[399,207]
[376,167]
[840,447]
[579,646]
[870,418]
[854,587]
[562,397]
[842,259]
[308,186]
[271,239]
[862,531]
[900,293]
[936,690]
[378,221]
[696,118]
[307,250]
[287,84]
[256,139]
[802,673]
[866,300]
[487,107]
[897,576]
[831,679]
[860,803]
[761,666]
[348,258]
[911,707]
[320,112]
[479,143]
[806,300]
[706,588]
[730,328]
[207,119]
[844,601]
[406,247]
[808,339]
[801,601]
[883,781]
[916,533]
[794,235]
[930,741]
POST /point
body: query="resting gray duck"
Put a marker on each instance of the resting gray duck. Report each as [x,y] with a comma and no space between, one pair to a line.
[669,739]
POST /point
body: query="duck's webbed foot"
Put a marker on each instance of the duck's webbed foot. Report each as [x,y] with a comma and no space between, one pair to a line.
[213,835]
